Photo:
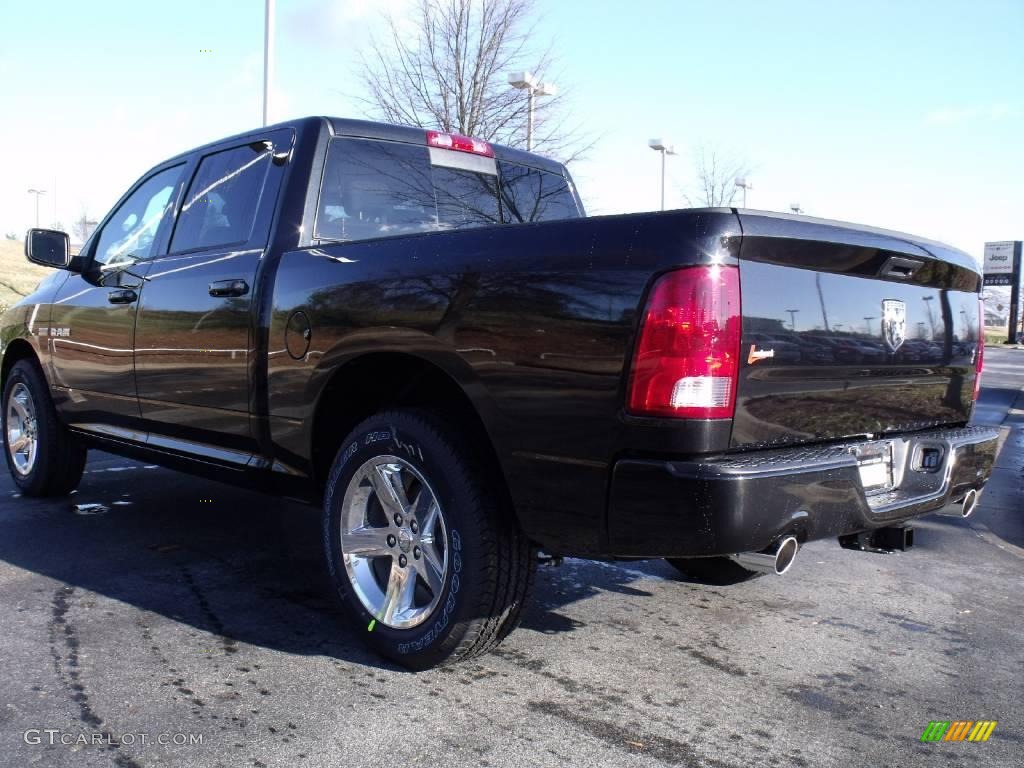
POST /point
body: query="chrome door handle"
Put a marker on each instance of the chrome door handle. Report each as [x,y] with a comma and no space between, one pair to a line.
[123,296]
[229,288]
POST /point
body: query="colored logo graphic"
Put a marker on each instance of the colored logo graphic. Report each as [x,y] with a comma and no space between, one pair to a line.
[959,730]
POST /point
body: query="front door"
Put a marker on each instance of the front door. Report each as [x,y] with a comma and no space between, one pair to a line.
[194,331]
[93,316]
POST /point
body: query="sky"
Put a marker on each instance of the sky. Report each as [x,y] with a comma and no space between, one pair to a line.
[907,115]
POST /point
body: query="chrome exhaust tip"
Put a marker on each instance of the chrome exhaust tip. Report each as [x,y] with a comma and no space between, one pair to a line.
[970,503]
[964,507]
[776,559]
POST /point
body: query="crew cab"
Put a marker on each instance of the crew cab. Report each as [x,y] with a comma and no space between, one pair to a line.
[423,334]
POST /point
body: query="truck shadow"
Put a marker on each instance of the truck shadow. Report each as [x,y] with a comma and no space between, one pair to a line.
[243,567]
[993,404]
[1000,522]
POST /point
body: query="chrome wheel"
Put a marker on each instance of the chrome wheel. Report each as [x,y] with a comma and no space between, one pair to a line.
[22,440]
[393,542]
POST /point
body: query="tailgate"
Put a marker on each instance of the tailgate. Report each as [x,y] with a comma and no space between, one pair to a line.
[850,331]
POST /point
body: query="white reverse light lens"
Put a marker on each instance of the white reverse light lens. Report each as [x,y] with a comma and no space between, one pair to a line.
[702,392]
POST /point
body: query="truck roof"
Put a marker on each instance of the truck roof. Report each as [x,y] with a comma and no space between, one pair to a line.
[368,129]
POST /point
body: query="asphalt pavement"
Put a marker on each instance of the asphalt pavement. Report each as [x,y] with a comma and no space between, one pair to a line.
[187,612]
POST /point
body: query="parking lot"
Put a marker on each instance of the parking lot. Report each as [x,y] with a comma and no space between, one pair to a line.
[179,610]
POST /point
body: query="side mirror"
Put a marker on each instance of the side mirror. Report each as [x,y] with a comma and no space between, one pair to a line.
[48,247]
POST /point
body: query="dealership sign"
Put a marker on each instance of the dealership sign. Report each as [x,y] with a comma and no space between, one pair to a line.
[999,258]
[1002,267]
[1001,263]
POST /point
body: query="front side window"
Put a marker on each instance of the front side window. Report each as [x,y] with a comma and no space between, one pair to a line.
[130,234]
[529,194]
[220,207]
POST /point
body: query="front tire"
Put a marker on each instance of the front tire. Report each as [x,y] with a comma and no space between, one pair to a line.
[422,544]
[44,458]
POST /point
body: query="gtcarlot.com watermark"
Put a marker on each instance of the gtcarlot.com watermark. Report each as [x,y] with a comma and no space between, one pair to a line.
[52,736]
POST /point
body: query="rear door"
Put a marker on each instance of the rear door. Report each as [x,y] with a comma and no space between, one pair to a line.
[193,334]
[896,318]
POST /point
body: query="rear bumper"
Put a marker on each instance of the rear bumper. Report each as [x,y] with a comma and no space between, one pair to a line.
[744,502]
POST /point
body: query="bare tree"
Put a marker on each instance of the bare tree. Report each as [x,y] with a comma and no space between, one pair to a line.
[446,66]
[715,174]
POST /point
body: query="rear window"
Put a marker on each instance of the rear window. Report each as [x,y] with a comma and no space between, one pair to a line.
[379,189]
[464,198]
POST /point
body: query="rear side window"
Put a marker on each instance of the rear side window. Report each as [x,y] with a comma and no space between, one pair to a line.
[220,207]
[529,194]
[375,189]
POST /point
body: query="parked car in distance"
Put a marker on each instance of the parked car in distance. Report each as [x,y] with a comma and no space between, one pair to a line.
[812,351]
[784,350]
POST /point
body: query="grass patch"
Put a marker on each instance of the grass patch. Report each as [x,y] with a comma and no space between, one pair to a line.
[18,276]
[997,337]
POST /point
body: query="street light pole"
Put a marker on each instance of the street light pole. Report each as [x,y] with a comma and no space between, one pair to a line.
[528,82]
[744,184]
[792,318]
[931,317]
[529,120]
[821,299]
[268,57]
[37,193]
[660,145]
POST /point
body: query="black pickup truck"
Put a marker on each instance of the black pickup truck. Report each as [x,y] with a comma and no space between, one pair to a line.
[423,333]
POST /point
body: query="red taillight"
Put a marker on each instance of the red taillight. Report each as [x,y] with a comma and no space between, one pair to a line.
[687,358]
[460,143]
[979,354]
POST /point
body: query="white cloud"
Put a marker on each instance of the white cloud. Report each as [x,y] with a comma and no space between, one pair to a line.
[956,115]
[339,22]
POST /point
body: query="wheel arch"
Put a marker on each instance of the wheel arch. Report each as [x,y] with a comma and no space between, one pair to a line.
[18,349]
[378,380]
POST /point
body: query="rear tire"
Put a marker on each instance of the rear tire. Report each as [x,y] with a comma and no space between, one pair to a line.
[712,570]
[422,545]
[43,456]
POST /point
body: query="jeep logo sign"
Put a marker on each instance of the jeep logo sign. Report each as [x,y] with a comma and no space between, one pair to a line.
[999,258]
